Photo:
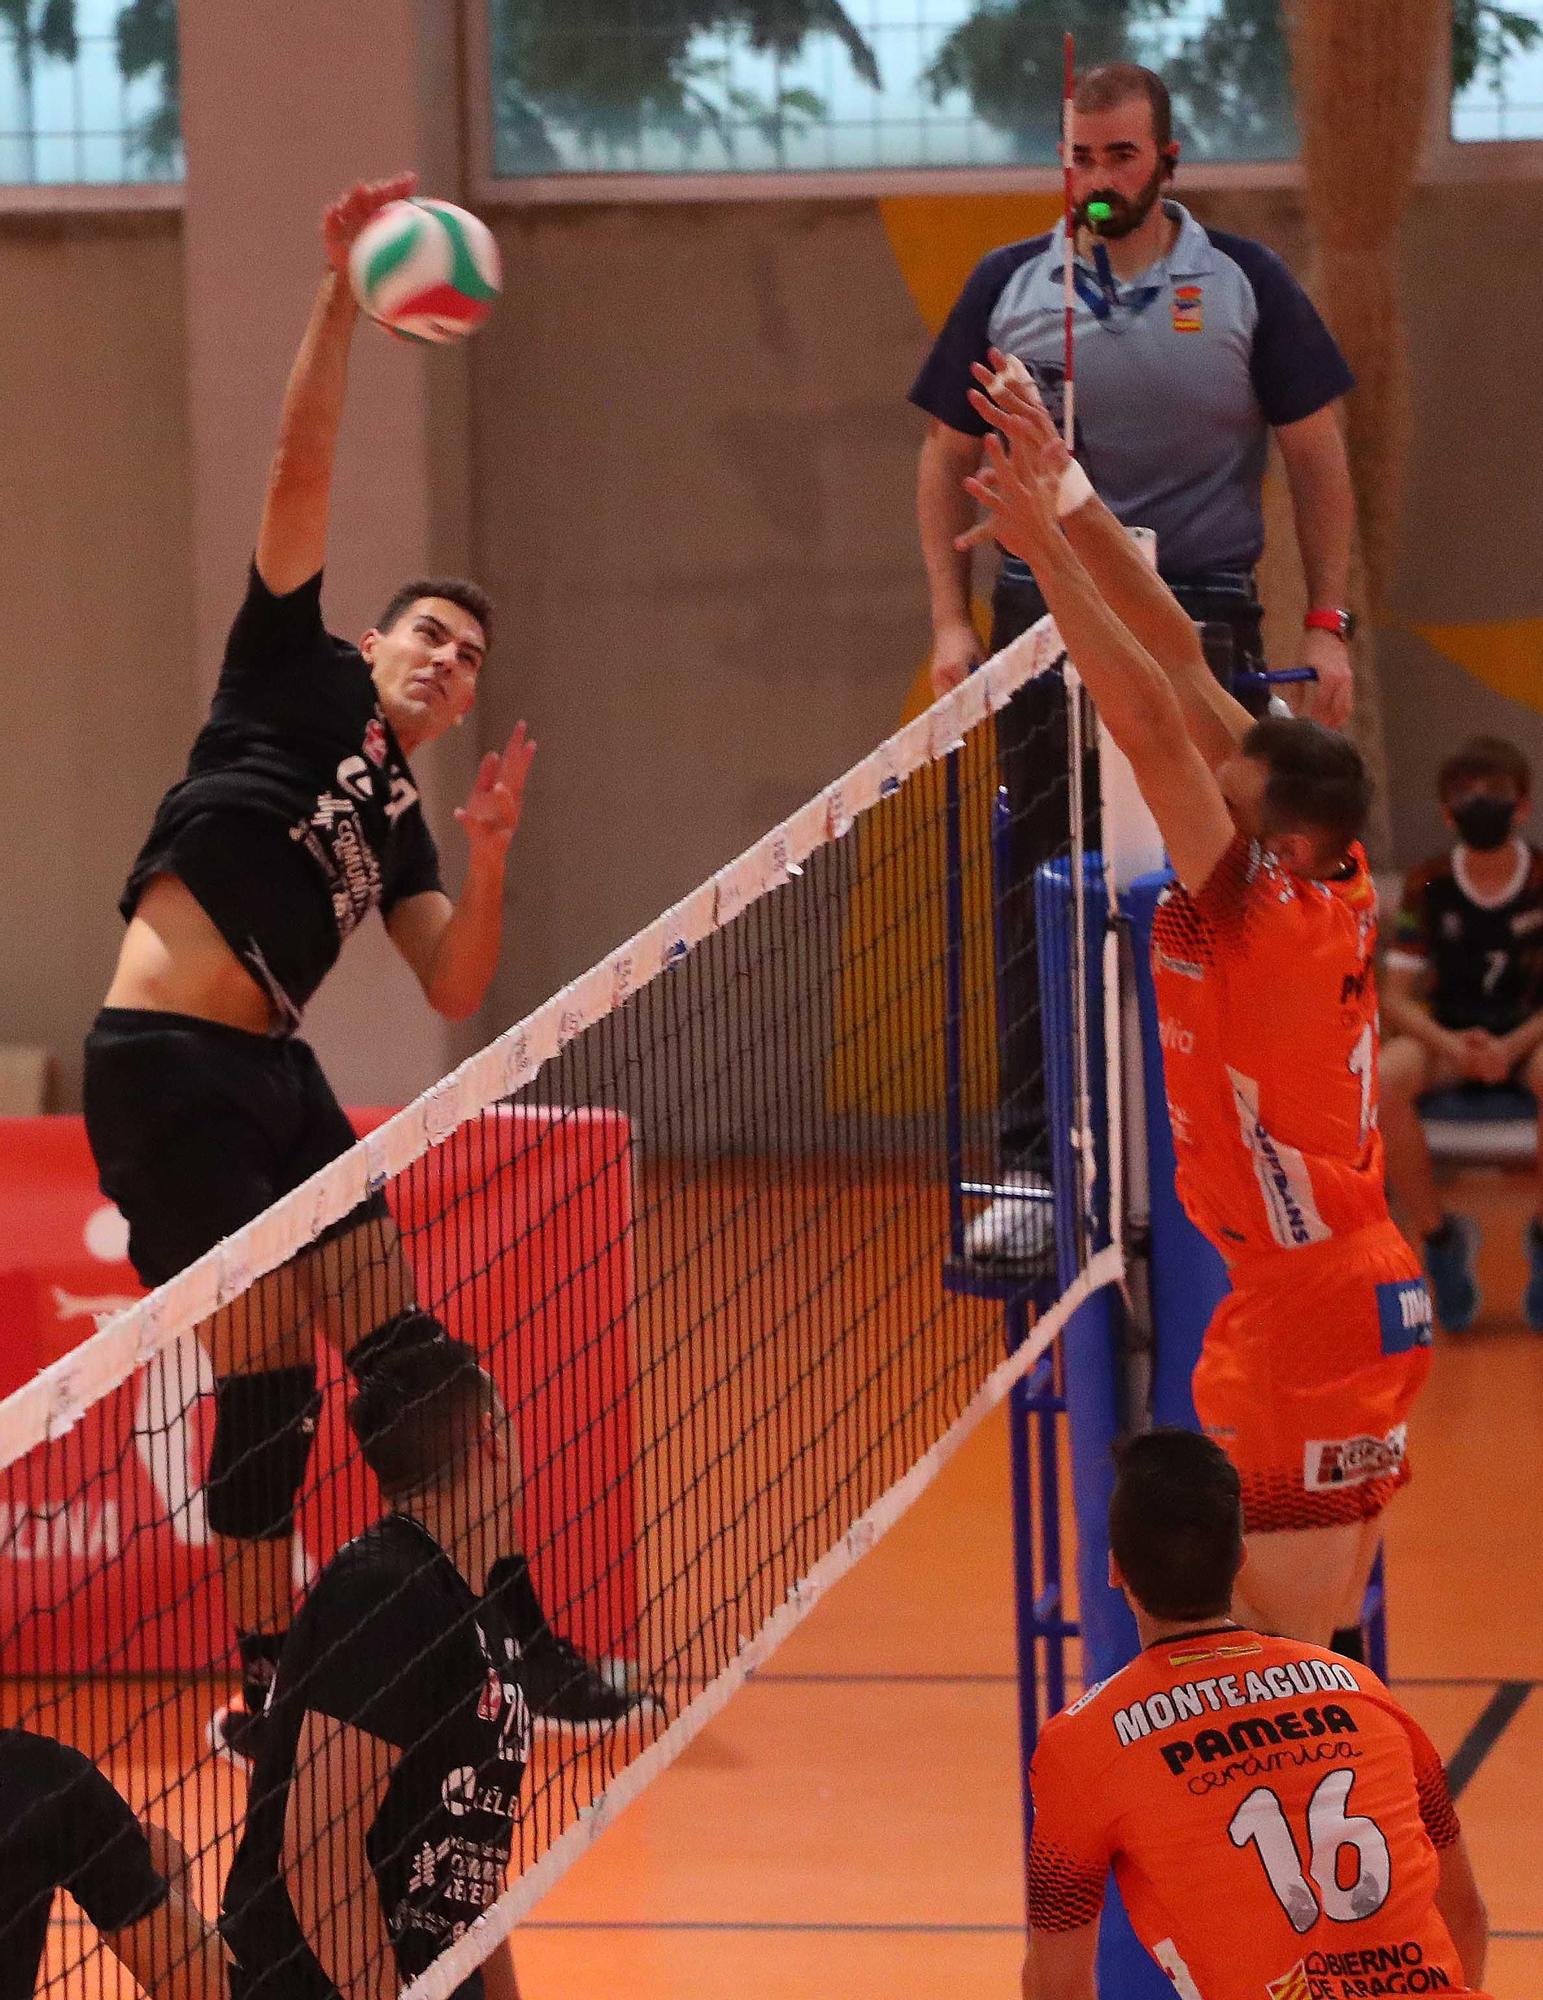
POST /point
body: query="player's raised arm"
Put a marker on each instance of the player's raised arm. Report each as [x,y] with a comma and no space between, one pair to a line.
[292,540]
[1021,490]
[1128,584]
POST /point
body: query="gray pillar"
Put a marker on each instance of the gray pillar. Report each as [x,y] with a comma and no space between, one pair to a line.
[285,102]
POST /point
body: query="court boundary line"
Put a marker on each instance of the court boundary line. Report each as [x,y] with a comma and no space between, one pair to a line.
[1485,1731]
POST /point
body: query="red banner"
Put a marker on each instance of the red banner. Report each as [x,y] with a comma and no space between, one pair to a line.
[519,1230]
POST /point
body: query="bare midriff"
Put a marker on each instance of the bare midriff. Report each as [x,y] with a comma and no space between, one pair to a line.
[174,961]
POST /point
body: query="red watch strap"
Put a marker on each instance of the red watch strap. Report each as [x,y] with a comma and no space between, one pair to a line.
[1325,621]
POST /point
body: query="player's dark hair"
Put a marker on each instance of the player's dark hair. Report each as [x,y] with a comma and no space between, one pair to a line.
[1176,1523]
[454,589]
[417,1410]
[1479,758]
[1318,781]
[1117,83]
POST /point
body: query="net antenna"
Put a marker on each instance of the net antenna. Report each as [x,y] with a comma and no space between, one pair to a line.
[1068,278]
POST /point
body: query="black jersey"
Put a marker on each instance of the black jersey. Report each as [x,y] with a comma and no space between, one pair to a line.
[1483,960]
[392,1640]
[298,813]
[62,1826]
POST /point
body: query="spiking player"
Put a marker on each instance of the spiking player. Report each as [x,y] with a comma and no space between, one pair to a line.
[1262,955]
[1279,1828]
[299,814]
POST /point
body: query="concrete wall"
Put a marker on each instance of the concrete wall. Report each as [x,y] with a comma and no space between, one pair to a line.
[98,678]
[692,471]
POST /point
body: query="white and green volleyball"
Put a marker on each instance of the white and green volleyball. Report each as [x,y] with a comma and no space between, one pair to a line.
[426,270]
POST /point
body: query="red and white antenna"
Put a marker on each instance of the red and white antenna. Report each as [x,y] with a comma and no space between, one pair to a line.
[1069,288]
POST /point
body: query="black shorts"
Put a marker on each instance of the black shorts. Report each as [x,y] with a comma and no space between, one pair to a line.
[196,1128]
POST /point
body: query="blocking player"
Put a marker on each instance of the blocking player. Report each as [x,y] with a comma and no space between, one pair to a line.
[1262,957]
[1279,1828]
[383,1800]
[1462,1000]
[64,1826]
[299,814]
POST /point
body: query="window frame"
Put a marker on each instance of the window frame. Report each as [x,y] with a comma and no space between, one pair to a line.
[1442,159]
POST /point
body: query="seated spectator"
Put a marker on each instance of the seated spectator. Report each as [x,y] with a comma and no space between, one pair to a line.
[63,1826]
[1462,1002]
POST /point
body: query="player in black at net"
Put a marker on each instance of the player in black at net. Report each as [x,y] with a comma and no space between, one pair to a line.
[299,814]
[64,1826]
[383,1799]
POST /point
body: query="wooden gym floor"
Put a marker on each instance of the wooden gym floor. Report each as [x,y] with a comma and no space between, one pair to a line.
[850,1827]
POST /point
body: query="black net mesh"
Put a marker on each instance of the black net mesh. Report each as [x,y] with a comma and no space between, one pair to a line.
[646,1335]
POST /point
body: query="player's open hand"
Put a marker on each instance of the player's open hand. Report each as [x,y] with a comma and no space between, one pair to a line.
[492,813]
[345,217]
[1035,453]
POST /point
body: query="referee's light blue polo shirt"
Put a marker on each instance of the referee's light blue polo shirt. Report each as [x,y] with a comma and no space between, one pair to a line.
[1181,375]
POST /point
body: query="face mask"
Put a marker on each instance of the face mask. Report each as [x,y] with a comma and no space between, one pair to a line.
[1484,822]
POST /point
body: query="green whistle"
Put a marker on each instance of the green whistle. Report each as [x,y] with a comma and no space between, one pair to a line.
[1099,211]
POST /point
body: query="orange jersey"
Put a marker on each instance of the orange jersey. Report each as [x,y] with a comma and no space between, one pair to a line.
[1272,1817]
[1267,1014]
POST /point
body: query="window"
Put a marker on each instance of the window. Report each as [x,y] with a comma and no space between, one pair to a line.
[1497,69]
[800,86]
[88,91]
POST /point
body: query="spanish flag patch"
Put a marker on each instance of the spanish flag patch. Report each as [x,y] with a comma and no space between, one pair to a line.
[1188,309]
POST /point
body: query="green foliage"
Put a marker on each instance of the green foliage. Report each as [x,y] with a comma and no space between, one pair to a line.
[1007,60]
[1485,37]
[147,45]
[569,66]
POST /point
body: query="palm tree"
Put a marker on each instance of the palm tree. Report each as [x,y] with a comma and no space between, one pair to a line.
[147,43]
[37,28]
[566,66]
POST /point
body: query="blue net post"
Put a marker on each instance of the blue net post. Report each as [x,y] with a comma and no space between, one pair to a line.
[1035,1406]
[1092,1344]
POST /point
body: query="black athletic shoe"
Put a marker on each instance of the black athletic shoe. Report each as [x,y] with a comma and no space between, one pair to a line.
[235,1733]
[568,1691]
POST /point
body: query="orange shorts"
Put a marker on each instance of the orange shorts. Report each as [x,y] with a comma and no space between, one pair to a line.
[1308,1372]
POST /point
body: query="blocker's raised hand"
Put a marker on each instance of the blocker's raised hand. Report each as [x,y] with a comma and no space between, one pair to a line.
[344,218]
[492,813]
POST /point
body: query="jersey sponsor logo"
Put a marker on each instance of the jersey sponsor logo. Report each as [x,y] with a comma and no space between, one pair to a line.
[1189,1701]
[1405,1315]
[1257,1732]
[356,778]
[1175,1037]
[1375,1972]
[1188,309]
[1280,1170]
[1331,1463]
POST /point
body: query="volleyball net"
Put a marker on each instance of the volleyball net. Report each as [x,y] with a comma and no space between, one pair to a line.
[701,1219]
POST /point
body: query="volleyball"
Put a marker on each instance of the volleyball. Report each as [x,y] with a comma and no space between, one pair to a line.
[426,270]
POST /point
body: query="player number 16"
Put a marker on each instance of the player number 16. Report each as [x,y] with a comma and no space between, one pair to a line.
[1261,1820]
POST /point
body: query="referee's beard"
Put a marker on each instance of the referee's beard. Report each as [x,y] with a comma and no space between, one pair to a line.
[1126,214]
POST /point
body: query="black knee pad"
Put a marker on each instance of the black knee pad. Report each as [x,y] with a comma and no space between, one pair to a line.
[264,1428]
[412,1328]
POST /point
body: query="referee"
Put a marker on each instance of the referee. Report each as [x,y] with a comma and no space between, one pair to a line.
[299,814]
[1193,350]
[383,1799]
[64,1826]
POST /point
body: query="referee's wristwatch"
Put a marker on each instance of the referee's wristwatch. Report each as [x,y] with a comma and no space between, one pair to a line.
[1340,623]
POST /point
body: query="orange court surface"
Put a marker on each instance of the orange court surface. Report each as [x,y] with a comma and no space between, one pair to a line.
[849,1828]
